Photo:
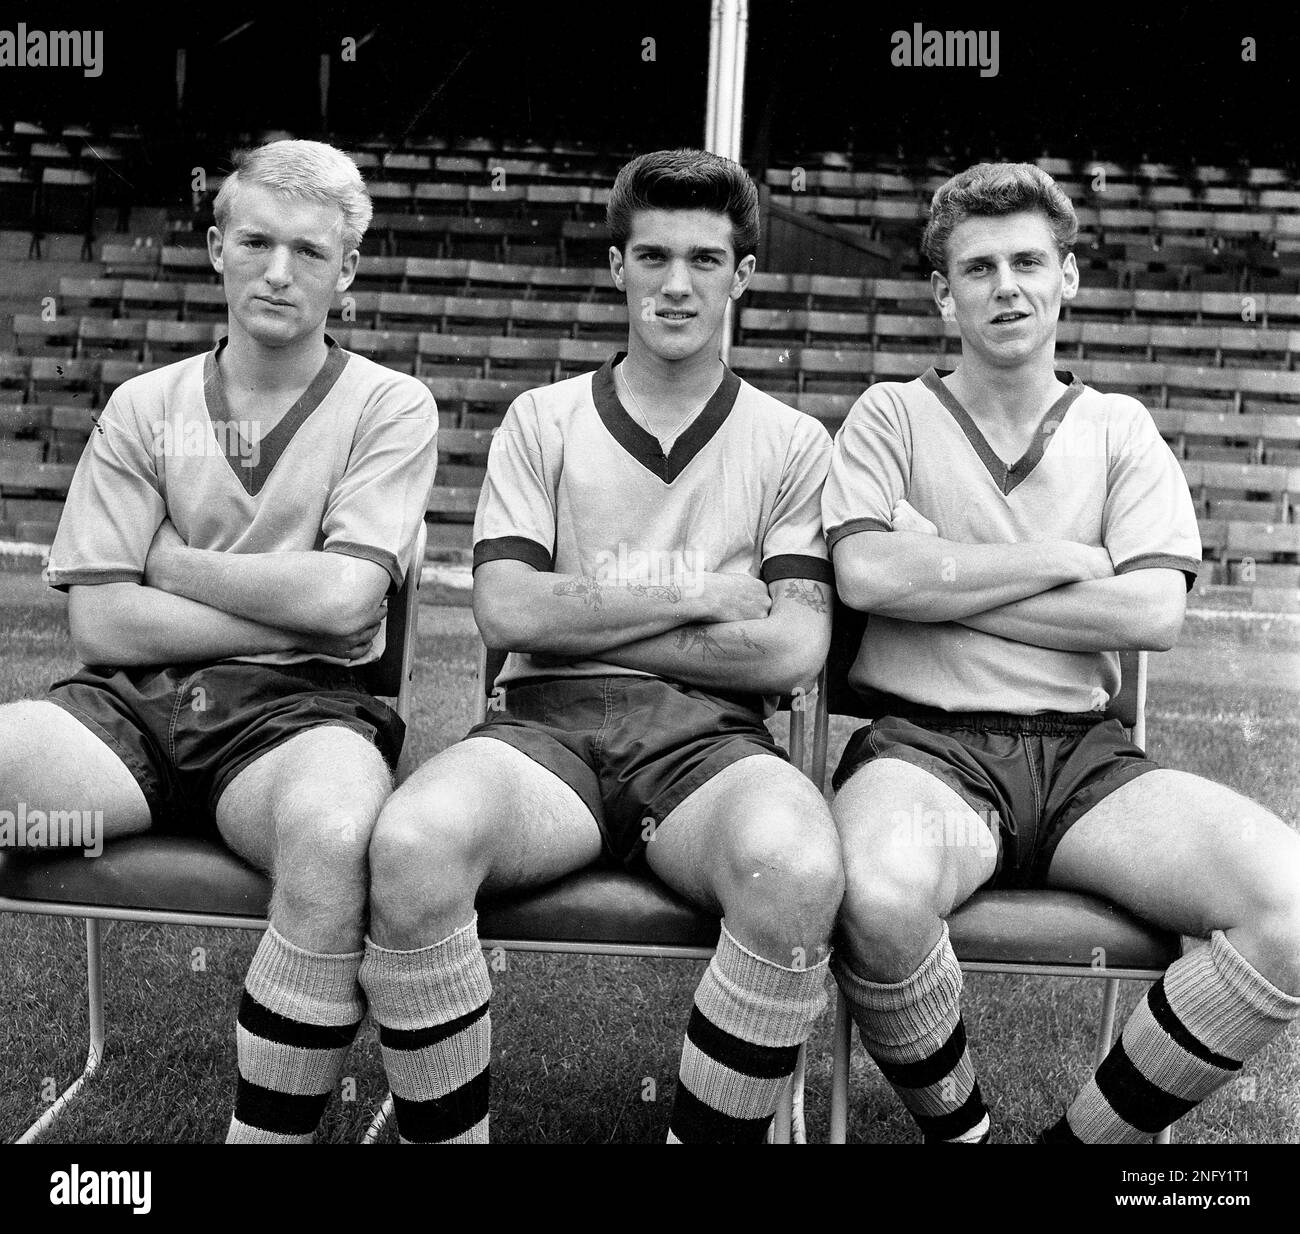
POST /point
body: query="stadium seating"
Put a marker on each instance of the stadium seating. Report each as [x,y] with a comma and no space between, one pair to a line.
[1029,933]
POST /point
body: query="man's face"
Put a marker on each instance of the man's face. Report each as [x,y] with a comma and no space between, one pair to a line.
[1004,287]
[281,259]
[679,272]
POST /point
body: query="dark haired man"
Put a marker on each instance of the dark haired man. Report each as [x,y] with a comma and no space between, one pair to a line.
[1008,529]
[648,549]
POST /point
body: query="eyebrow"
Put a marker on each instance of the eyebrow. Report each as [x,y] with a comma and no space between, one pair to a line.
[987,258]
[252,230]
[695,251]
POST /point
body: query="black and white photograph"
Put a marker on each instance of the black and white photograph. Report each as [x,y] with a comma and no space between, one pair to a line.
[723,572]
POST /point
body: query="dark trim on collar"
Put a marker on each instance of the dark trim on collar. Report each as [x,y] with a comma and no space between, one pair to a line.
[1006,478]
[274,443]
[644,446]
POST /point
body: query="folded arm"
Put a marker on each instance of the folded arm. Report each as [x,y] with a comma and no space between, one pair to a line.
[1140,611]
[313,593]
[518,608]
[767,655]
[916,576]
[121,625]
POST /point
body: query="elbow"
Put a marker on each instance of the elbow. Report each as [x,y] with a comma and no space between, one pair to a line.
[858,588]
[502,627]
[799,664]
[1165,629]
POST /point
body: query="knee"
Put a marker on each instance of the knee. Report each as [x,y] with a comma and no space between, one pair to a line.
[888,919]
[419,854]
[321,846]
[789,871]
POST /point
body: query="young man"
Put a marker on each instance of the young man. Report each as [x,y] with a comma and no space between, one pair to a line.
[228,541]
[1008,529]
[648,549]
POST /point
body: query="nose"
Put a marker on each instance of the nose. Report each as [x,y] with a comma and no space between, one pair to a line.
[1007,287]
[278,267]
[677,279]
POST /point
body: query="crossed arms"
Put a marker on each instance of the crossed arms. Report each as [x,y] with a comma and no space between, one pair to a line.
[1050,593]
[196,604]
[730,631]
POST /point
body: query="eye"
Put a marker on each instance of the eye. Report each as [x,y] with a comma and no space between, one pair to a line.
[310,252]
[253,242]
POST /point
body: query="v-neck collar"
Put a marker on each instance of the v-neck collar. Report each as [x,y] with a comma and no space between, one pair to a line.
[268,451]
[1005,476]
[643,445]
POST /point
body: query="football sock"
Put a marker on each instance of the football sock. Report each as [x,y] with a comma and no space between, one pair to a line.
[748,1021]
[1191,1033]
[913,1030]
[297,1018]
[435,1035]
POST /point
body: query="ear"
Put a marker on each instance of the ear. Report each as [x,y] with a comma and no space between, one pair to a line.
[1070,277]
[348,271]
[942,291]
[744,272]
[215,248]
[616,267]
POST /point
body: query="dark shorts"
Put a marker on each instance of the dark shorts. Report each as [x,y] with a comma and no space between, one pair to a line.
[1030,777]
[185,732]
[633,748]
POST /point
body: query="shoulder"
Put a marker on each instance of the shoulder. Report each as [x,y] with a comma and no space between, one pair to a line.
[385,389]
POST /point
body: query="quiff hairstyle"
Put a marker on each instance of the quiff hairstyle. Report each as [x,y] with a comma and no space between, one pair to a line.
[989,190]
[305,169]
[685,180]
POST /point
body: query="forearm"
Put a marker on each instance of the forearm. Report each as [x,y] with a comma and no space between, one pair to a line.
[126,624]
[917,577]
[1129,612]
[578,616]
[306,592]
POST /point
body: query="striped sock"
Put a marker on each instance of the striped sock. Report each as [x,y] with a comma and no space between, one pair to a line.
[913,1030]
[749,1019]
[298,1016]
[1209,1013]
[435,1035]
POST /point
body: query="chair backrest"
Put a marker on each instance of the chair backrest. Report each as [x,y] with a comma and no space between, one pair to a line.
[390,675]
[847,631]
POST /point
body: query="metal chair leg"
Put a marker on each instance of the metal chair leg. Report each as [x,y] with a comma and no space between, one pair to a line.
[379,1122]
[840,1070]
[95,996]
[1106,1029]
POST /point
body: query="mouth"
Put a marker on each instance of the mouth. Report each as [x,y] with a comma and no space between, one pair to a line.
[277,303]
[1009,317]
[674,315]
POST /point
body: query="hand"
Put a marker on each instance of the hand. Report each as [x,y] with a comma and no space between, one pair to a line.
[1096,562]
[905,518]
[352,645]
[735,597]
[162,554]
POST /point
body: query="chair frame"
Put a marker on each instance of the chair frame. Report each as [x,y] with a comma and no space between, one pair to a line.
[394,669]
[1130,708]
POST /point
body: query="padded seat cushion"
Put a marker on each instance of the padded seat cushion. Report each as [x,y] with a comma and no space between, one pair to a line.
[187,874]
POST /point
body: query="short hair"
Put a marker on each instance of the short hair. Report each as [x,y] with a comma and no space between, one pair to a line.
[685,180]
[989,190]
[305,169]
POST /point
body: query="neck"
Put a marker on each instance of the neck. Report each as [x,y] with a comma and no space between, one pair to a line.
[672,383]
[1013,394]
[252,365]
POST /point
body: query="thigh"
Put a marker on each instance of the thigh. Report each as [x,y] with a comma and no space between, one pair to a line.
[758,811]
[314,794]
[499,810]
[903,826]
[49,760]
[1182,852]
